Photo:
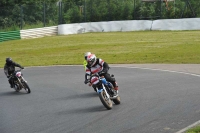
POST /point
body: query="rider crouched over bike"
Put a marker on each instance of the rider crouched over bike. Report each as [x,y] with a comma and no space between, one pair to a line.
[97,65]
[9,69]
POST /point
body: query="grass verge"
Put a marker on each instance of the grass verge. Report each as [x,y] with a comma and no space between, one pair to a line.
[175,47]
[196,129]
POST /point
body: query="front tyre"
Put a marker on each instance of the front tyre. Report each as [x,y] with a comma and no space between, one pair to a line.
[105,100]
[16,87]
[26,87]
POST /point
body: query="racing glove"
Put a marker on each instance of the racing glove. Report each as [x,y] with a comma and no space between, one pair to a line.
[86,81]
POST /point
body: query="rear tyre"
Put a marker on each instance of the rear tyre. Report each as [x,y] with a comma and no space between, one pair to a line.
[105,100]
[117,100]
[26,87]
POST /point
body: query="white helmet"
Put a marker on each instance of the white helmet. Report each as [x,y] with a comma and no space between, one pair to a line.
[91,60]
[86,55]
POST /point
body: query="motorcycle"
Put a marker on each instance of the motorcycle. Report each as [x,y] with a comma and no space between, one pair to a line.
[105,90]
[19,82]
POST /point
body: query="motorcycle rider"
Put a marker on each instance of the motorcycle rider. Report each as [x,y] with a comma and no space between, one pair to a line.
[97,65]
[9,68]
[85,59]
[85,64]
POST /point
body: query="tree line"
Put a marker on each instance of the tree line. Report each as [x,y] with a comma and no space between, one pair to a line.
[40,13]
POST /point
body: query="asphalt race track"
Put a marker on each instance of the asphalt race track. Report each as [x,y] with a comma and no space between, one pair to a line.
[152,101]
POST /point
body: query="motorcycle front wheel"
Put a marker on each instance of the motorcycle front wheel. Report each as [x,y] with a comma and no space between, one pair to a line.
[16,88]
[26,87]
[105,100]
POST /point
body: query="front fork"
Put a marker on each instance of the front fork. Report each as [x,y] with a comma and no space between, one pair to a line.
[18,83]
[102,88]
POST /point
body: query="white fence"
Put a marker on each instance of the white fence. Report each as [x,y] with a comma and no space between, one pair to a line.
[39,32]
[130,25]
[113,26]
[177,24]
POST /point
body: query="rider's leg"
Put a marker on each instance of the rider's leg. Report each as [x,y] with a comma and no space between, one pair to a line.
[112,80]
[10,82]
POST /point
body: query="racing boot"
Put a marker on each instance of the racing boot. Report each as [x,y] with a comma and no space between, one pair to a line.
[11,84]
[116,86]
[115,89]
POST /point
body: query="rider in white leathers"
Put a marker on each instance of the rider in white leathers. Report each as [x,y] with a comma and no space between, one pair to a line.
[97,65]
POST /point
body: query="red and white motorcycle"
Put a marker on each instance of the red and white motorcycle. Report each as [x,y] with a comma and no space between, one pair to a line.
[19,82]
[105,90]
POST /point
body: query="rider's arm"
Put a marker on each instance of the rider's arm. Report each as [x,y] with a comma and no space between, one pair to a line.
[105,67]
[18,65]
[87,75]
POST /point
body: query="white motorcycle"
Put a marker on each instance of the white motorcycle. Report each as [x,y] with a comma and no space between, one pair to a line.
[19,82]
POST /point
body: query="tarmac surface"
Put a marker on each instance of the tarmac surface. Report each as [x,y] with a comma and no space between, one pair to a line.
[155,98]
[193,69]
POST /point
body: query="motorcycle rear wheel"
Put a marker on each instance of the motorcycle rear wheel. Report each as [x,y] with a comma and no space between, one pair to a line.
[27,88]
[117,100]
[105,100]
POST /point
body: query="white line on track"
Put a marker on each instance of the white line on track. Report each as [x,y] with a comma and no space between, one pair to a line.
[154,69]
[188,127]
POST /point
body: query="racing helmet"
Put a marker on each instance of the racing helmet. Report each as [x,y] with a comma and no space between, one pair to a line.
[86,55]
[9,61]
[91,60]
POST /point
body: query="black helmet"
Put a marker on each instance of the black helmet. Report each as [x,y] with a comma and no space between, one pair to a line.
[9,61]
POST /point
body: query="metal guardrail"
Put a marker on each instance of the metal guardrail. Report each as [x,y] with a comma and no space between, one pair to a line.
[39,32]
[30,33]
[11,35]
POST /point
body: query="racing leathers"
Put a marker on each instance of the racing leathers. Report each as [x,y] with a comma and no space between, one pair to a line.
[101,68]
[10,69]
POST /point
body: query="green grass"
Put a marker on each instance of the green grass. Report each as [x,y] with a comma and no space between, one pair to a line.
[194,130]
[169,47]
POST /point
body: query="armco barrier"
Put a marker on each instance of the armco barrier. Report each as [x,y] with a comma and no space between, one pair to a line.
[1,37]
[10,35]
[39,32]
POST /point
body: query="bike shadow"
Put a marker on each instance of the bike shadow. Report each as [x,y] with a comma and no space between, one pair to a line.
[12,93]
[92,109]
[89,95]
[79,96]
